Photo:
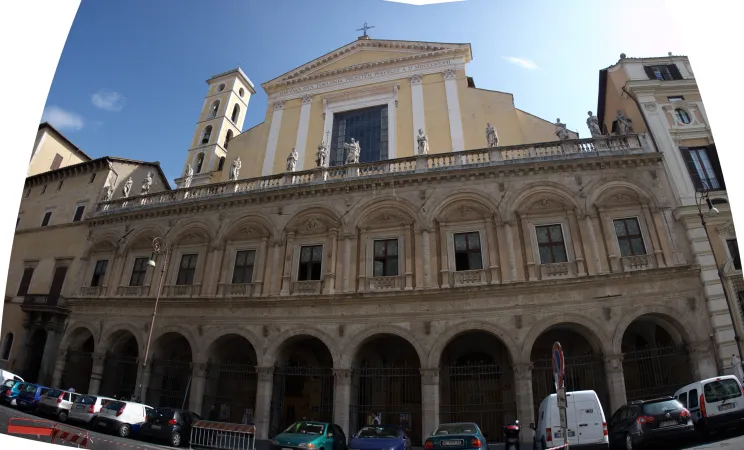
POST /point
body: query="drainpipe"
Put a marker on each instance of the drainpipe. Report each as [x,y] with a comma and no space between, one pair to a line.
[643,116]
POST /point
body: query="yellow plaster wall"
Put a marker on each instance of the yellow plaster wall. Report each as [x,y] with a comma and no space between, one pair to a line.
[314,133]
[479,107]
[51,146]
[535,129]
[436,116]
[251,147]
[404,119]
[617,99]
[287,134]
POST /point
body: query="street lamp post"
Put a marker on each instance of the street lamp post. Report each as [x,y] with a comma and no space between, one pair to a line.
[159,247]
[713,211]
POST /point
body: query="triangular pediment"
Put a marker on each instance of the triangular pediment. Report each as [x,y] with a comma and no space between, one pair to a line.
[368,53]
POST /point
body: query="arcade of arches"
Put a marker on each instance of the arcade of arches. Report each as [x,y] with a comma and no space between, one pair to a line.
[479,377]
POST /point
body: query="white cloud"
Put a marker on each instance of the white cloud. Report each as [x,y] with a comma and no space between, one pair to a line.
[61,119]
[423,2]
[521,62]
[108,100]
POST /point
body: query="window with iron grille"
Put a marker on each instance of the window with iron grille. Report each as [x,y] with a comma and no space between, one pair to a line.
[733,248]
[99,272]
[368,126]
[186,270]
[385,258]
[243,270]
[311,258]
[550,244]
[468,251]
[629,237]
[704,167]
[139,272]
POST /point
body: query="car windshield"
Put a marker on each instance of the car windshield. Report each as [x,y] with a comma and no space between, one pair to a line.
[720,390]
[661,407]
[53,393]
[162,412]
[86,400]
[305,428]
[455,428]
[378,432]
[30,388]
[114,405]
[10,383]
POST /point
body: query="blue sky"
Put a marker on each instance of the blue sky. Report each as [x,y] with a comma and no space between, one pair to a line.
[131,78]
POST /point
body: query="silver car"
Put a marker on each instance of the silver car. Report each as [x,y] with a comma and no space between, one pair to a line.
[86,408]
[57,403]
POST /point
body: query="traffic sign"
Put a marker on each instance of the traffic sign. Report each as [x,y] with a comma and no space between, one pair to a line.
[559,365]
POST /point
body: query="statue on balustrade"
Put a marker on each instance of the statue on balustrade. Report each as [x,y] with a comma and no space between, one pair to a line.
[322,155]
[354,152]
[423,143]
[108,193]
[624,124]
[146,184]
[560,130]
[492,138]
[292,161]
[593,123]
[127,187]
[188,176]
[235,169]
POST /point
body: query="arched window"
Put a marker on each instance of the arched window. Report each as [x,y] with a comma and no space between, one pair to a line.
[241,92]
[228,136]
[236,113]
[207,134]
[214,108]
[7,347]
[682,115]
[221,164]
[199,162]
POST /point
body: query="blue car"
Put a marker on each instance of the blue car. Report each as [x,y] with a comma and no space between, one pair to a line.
[29,396]
[10,390]
[388,437]
[456,436]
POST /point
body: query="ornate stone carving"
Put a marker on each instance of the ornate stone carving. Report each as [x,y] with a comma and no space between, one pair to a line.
[188,176]
[199,370]
[650,106]
[624,124]
[279,104]
[313,223]
[560,130]
[727,230]
[235,169]
[593,123]
[416,79]
[623,198]
[523,371]
[354,152]
[342,377]
[450,74]
[430,376]
[292,160]
[546,204]
[127,187]
[146,184]
[613,363]
[492,137]
[265,374]
[423,143]
[307,99]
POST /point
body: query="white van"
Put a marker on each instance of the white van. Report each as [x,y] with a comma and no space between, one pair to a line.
[714,404]
[122,417]
[5,376]
[587,426]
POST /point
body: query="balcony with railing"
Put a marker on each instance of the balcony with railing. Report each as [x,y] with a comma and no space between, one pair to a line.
[421,164]
[44,303]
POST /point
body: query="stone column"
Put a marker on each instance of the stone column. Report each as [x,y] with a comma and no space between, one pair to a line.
[418,262]
[273,270]
[143,381]
[530,257]
[493,252]
[198,384]
[524,399]
[347,273]
[96,373]
[49,364]
[426,255]
[577,238]
[363,261]
[444,258]
[59,367]
[117,273]
[702,359]
[408,236]
[654,235]
[260,289]
[264,389]
[211,267]
[429,400]
[609,231]
[592,236]
[664,238]
[287,269]
[342,398]
[329,280]
[615,382]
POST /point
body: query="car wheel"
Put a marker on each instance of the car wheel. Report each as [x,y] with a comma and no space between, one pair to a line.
[176,439]
[124,430]
[62,416]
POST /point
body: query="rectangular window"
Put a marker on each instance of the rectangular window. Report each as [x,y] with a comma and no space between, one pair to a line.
[28,192]
[43,189]
[733,248]
[92,177]
[139,272]
[243,270]
[45,220]
[56,162]
[694,399]
[550,244]
[629,237]
[59,186]
[663,72]
[311,259]
[385,258]
[368,126]
[676,98]
[468,251]
[79,213]
[99,272]
[28,273]
[704,167]
[187,270]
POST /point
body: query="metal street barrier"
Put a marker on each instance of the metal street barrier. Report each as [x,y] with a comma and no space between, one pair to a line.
[221,435]
[55,432]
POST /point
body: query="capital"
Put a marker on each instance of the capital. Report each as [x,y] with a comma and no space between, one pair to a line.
[342,377]
[613,363]
[430,376]
[523,371]
[265,374]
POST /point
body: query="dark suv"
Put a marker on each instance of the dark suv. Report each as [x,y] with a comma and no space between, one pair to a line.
[169,425]
[645,421]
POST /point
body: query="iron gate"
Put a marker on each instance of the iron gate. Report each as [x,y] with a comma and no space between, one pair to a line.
[291,383]
[77,371]
[583,373]
[119,377]
[655,372]
[169,385]
[480,393]
[392,392]
[231,388]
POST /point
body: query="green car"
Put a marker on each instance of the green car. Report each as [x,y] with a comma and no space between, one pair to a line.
[456,436]
[308,434]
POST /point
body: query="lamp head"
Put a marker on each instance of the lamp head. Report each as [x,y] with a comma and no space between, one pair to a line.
[151,261]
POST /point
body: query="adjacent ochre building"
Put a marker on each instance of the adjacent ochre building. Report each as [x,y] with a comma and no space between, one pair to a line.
[425,281]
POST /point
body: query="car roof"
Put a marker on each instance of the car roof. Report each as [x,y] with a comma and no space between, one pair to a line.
[458,423]
[652,400]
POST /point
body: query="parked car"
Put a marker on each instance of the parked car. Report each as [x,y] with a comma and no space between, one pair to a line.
[57,403]
[169,425]
[374,437]
[10,390]
[303,433]
[87,407]
[123,418]
[456,436]
[587,426]
[5,376]
[714,403]
[644,422]
[29,397]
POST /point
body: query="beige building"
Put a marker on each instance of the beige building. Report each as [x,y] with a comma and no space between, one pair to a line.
[425,280]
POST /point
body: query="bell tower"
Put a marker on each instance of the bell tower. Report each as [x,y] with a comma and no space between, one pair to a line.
[221,119]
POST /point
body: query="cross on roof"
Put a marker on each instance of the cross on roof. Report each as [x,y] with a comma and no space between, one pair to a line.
[365,28]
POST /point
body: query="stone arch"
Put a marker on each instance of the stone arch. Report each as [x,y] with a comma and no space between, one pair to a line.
[79,346]
[544,195]
[143,238]
[315,219]
[477,203]
[584,326]
[192,232]
[372,211]
[105,243]
[114,332]
[359,339]
[171,363]
[177,329]
[214,335]
[287,336]
[73,334]
[667,318]
[617,192]
[246,227]
[465,326]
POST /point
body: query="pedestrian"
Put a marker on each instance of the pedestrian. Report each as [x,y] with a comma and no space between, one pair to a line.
[213,415]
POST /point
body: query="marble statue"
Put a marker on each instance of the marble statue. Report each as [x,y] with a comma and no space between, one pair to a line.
[322,155]
[146,184]
[108,193]
[492,138]
[624,124]
[292,161]
[188,176]
[354,152]
[423,143]
[127,186]
[593,123]
[235,168]
[560,130]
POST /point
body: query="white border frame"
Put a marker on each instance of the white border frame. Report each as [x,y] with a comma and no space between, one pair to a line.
[313,242]
[464,229]
[567,240]
[233,250]
[385,236]
[126,276]
[647,243]
[175,263]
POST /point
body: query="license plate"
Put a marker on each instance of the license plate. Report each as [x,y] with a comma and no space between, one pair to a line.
[156,427]
[286,449]
[668,423]
[80,407]
[726,406]
[451,443]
